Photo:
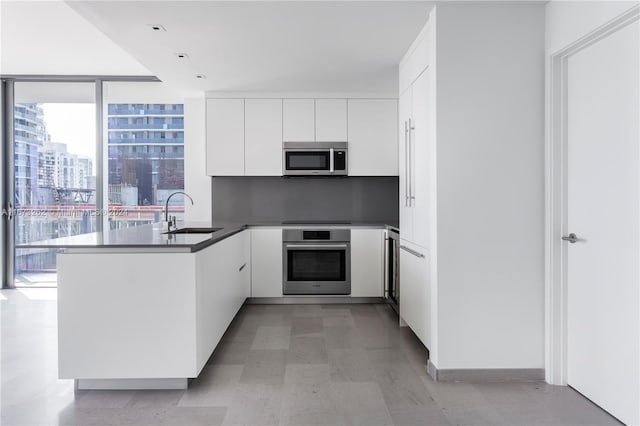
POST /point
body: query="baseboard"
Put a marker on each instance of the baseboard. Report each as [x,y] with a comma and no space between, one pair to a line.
[485,374]
[311,300]
[130,384]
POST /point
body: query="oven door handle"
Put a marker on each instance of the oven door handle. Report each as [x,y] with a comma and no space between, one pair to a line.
[316,246]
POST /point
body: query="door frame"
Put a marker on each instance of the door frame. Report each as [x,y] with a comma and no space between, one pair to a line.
[556,158]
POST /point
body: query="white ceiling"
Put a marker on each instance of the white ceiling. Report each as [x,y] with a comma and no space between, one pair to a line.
[299,46]
[291,46]
[49,37]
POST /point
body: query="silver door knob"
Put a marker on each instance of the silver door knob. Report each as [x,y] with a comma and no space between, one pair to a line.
[572,238]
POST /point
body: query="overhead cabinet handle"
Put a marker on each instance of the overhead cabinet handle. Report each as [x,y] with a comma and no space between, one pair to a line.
[242,267]
[413,252]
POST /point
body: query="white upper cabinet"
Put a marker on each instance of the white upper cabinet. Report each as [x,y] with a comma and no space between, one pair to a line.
[331,120]
[245,136]
[373,137]
[225,137]
[298,120]
[417,58]
[263,137]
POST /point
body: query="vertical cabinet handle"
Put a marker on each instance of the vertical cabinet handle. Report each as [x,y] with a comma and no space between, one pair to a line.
[406,165]
[411,171]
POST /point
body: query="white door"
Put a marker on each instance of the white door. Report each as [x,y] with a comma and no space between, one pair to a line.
[603,195]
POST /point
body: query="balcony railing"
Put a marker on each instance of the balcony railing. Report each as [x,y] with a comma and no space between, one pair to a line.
[29,117]
[154,126]
[142,141]
[114,110]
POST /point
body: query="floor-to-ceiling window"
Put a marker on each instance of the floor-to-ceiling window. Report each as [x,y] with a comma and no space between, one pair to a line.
[53,170]
[64,177]
[145,153]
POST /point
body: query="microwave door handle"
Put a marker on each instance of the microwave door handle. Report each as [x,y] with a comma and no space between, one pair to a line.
[331,166]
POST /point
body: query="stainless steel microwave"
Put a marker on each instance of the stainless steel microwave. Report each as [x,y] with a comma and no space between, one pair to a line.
[314,159]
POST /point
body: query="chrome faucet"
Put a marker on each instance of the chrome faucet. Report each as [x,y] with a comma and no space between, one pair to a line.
[166,209]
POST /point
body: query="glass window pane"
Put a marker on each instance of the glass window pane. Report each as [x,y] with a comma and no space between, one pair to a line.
[145,165]
[54,166]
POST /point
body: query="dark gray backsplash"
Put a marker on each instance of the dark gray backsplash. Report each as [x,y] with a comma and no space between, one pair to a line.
[267,199]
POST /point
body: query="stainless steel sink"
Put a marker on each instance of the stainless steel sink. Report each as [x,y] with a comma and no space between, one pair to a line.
[193,231]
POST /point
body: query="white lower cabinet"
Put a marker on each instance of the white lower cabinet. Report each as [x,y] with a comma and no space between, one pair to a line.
[147,315]
[266,262]
[222,285]
[367,263]
[415,290]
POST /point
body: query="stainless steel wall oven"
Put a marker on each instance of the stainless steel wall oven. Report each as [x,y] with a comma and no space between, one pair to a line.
[316,261]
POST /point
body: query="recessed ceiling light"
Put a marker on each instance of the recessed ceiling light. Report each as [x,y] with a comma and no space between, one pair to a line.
[181,55]
[157,27]
[201,76]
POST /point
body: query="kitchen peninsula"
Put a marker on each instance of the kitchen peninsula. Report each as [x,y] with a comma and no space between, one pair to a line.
[138,308]
[142,309]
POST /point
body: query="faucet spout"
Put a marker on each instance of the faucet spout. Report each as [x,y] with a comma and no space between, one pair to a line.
[166,206]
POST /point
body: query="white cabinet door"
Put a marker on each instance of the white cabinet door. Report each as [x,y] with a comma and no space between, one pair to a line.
[244,270]
[367,263]
[298,118]
[266,263]
[406,212]
[263,137]
[223,284]
[331,120]
[373,137]
[415,291]
[421,159]
[225,137]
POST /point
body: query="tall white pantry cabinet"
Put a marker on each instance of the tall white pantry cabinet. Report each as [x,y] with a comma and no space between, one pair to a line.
[417,172]
[471,132]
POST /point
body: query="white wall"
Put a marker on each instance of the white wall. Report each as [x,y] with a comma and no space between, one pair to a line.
[196,182]
[568,21]
[490,192]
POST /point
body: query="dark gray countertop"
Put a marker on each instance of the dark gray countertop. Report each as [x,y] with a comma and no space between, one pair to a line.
[150,237]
